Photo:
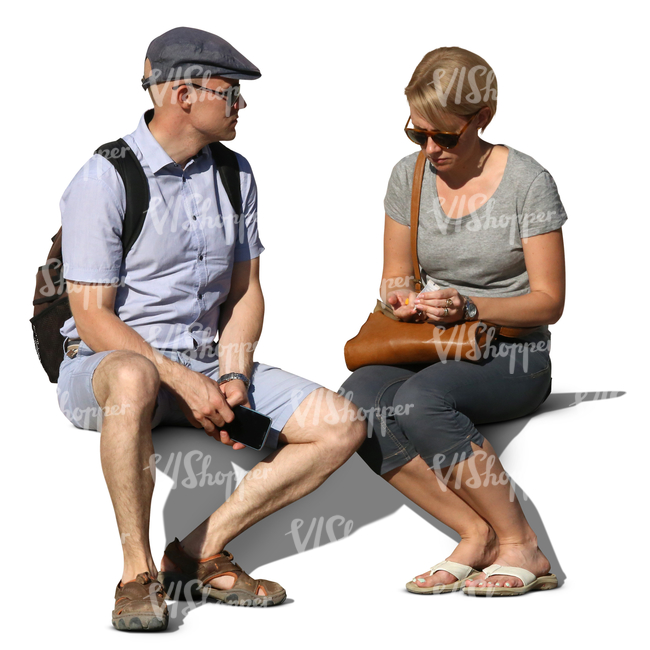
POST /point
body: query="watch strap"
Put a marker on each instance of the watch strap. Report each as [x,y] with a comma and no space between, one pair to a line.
[234,375]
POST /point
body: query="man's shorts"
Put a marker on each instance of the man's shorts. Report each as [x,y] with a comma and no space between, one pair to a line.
[273,392]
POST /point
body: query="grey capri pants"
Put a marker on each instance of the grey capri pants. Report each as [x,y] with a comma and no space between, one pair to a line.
[430,411]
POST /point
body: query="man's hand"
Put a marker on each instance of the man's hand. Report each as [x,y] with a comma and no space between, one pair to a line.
[236,394]
[403,303]
[205,406]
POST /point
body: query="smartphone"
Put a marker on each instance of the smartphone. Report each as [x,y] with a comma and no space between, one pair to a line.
[249,427]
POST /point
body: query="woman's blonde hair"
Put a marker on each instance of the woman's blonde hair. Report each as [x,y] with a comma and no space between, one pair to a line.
[451,80]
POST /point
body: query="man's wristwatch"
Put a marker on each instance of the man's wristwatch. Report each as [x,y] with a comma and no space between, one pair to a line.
[470,311]
[234,375]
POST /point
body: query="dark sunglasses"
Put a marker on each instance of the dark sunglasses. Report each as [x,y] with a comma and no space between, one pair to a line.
[443,139]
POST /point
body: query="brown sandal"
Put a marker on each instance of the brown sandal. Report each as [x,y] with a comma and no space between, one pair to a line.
[140,605]
[190,580]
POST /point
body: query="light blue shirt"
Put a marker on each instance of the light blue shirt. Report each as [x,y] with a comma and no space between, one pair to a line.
[178,273]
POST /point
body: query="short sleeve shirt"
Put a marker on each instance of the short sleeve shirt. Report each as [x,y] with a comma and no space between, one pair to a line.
[178,273]
[481,253]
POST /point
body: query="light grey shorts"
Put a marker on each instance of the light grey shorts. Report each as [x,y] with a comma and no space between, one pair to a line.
[273,392]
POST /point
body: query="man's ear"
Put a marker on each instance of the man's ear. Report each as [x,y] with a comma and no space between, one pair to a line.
[184,96]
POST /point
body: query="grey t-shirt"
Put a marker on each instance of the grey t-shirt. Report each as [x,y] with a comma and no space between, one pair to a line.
[479,254]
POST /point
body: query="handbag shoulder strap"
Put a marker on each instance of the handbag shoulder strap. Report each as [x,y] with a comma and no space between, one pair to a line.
[416,192]
[418,175]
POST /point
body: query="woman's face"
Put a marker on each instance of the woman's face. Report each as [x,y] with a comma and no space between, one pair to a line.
[447,159]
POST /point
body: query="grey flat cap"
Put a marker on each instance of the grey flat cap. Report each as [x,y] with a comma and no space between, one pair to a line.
[184,52]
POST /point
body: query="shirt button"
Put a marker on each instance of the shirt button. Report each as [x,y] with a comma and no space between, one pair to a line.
[200,296]
[200,258]
[194,217]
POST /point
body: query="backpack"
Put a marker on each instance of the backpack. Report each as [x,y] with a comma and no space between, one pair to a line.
[51,304]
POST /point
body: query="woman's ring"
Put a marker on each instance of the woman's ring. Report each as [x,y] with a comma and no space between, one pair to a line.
[450,302]
[446,312]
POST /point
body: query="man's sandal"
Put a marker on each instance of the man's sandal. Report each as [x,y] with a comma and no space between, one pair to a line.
[140,605]
[530,580]
[191,577]
[460,571]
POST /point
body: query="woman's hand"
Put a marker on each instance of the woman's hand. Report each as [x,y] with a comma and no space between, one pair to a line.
[442,306]
[403,303]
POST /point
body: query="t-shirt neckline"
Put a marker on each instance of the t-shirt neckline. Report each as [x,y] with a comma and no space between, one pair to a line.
[480,209]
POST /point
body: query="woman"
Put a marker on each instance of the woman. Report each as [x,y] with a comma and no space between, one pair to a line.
[490,237]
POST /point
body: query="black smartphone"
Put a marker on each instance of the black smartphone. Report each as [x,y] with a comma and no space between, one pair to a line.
[249,427]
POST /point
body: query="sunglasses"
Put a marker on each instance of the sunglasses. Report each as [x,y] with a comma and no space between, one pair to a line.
[231,94]
[443,139]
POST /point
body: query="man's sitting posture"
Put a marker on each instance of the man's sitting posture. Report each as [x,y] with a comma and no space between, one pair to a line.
[140,347]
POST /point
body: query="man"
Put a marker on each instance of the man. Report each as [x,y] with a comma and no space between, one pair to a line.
[141,351]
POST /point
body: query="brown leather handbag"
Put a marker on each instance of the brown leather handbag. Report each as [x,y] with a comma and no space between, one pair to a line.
[385,340]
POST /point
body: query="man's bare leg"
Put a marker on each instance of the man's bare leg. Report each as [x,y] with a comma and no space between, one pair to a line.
[319,437]
[126,385]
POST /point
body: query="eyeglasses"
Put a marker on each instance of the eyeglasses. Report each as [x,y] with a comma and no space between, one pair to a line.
[231,94]
[443,139]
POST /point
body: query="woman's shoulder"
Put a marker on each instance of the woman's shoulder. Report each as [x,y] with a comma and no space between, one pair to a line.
[406,165]
[401,177]
[524,167]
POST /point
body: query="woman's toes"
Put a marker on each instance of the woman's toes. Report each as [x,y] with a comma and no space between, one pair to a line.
[506,581]
[438,578]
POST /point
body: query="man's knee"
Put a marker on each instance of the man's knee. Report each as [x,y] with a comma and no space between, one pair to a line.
[341,428]
[126,375]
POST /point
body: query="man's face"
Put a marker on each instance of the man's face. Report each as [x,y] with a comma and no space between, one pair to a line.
[214,114]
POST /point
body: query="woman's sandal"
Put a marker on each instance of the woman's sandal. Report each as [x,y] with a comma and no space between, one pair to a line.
[190,580]
[530,580]
[460,571]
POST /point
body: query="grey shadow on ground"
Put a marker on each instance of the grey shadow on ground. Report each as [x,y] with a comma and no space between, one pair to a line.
[205,473]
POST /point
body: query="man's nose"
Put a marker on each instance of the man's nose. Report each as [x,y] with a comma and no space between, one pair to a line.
[240,103]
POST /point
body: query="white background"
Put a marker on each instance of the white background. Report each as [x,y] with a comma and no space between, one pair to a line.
[322,131]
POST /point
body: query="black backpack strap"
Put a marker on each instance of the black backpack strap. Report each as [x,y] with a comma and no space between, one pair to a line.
[226,163]
[136,185]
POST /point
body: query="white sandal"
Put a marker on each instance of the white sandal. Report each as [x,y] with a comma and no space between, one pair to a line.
[530,580]
[460,571]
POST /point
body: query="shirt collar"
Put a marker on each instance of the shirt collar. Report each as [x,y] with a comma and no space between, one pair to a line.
[152,152]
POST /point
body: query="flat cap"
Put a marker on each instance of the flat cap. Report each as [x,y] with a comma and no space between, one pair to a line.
[184,53]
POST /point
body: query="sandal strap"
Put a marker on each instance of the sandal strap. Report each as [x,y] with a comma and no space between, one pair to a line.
[144,587]
[516,572]
[206,569]
[459,571]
